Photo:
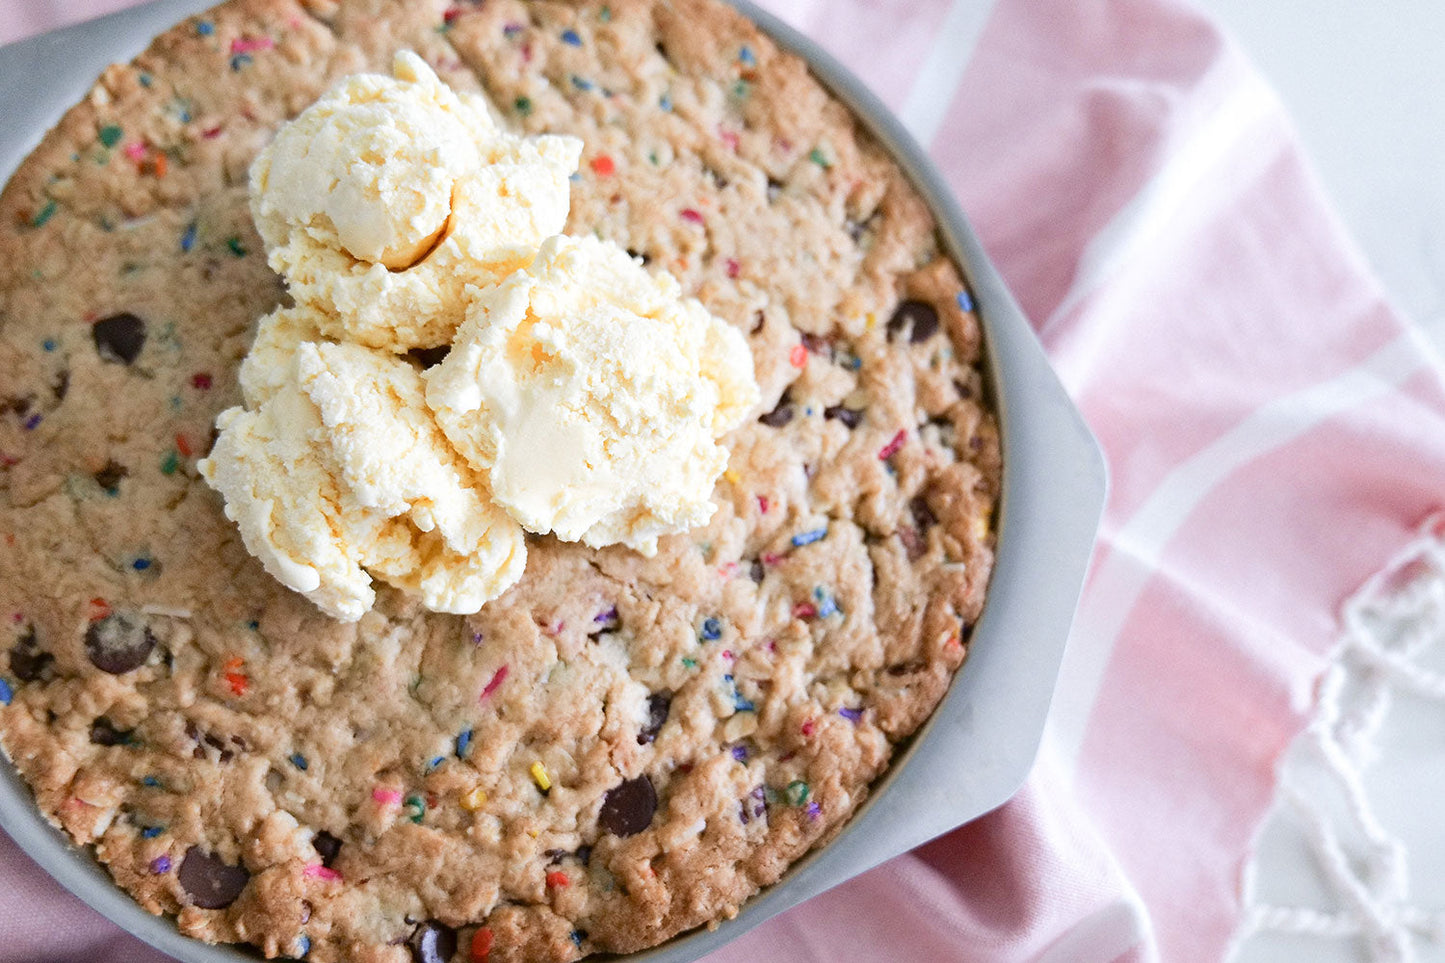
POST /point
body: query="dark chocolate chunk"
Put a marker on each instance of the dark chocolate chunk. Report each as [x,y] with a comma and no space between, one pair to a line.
[923,517]
[109,477]
[28,661]
[780,415]
[118,645]
[850,417]
[60,387]
[658,706]
[104,733]
[209,881]
[627,809]
[327,846]
[433,942]
[119,337]
[430,357]
[919,318]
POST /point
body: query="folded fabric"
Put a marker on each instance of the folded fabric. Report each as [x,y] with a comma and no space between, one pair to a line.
[1274,431]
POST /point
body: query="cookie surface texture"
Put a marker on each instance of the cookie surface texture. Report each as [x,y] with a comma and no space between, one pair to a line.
[619,748]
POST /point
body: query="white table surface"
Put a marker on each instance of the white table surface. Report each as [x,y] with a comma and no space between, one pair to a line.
[1365,84]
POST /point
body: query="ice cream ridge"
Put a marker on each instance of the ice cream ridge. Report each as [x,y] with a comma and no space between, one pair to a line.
[582,396]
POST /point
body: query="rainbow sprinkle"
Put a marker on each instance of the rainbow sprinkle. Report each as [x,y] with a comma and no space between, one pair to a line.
[237,248]
[711,629]
[892,448]
[299,761]
[540,777]
[581,83]
[7,694]
[417,805]
[474,799]
[188,239]
[854,716]
[151,832]
[557,879]
[827,605]
[965,303]
[571,38]
[205,28]
[44,214]
[808,538]
[318,871]
[691,216]
[797,793]
[798,356]
[464,743]
[110,135]
[160,865]
[523,105]
[387,797]
[814,810]
[746,58]
[303,945]
[497,680]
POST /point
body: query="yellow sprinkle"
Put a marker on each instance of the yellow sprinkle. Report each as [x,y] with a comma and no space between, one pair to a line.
[474,800]
[539,774]
[870,320]
[732,476]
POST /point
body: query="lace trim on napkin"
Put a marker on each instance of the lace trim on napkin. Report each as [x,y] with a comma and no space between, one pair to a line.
[1394,620]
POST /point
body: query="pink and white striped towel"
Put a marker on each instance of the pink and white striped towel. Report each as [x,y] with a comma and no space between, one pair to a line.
[1274,432]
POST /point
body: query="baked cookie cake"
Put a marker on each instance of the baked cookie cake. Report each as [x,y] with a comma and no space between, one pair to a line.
[621,746]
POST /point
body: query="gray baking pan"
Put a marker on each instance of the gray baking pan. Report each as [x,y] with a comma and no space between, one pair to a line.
[979,746]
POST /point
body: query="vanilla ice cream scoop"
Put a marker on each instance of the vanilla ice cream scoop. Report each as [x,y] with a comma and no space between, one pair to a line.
[340,475]
[593,395]
[383,200]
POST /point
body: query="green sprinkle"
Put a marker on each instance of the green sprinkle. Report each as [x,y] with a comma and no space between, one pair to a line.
[44,214]
[523,105]
[816,156]
[796,793]
[110,135]
[690,663]
[170,463]
[237,248]
[416,803]
[605,14]
[653,157]
[741,89]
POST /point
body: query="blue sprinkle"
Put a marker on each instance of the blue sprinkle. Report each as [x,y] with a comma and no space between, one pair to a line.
[303,945]
[237,62]
[570,37]
[6,693]
[711,629]
[581,83]
[299,761]
[32,422]
[739,703]
[151,781]
[464,742]
[574,176]
[145,80]
[965,303]
[740,753]
[141,564]
[48,344]
[151,832]
[188,239]
[576,937]
[855,363]
[808,538]
[511,30]
[826,605]
[253,625]
[745,56]
[665,103]
[852,715]
[431,766]
[205,28]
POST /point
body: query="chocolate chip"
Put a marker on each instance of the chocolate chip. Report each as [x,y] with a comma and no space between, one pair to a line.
[327,846]
[119,337]
[118,645]
[60,387]
[433,942]
[850,417]
[923,517]
[659,704]
[430,357]
[627,809]
[780,415]
[209,881]
[104,733]
[109,477]
[918,317]
[28,661]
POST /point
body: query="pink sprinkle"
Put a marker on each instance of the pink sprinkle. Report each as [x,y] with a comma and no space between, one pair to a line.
[135,150]
[251,44]
[891,449]
[688,214]
[808,725]
[727,571]
[733,267]
[325,872]
[18,617]
[497,680]
[771,558]
[728,137]
[728,654]
[386,796]
[763,504]
[804,610]
[211,133]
